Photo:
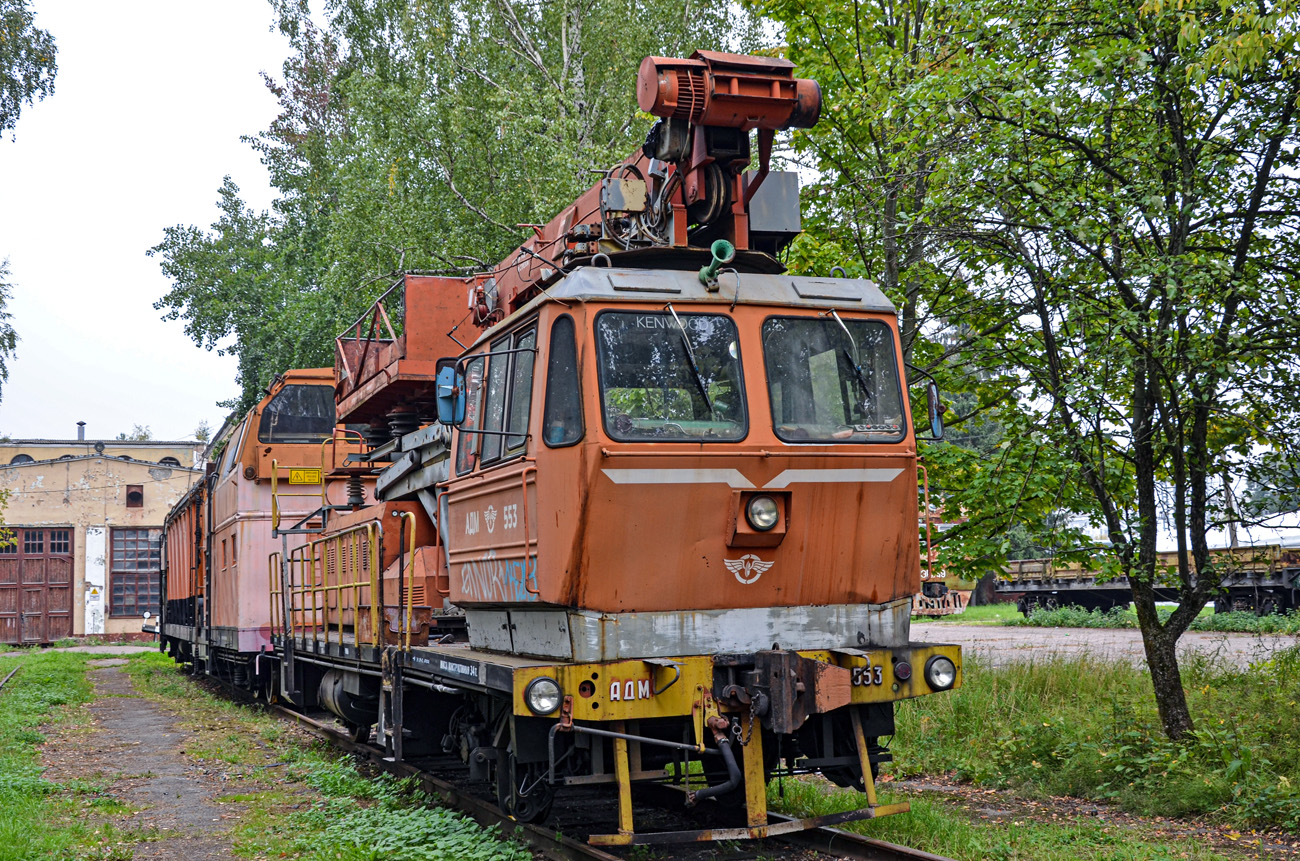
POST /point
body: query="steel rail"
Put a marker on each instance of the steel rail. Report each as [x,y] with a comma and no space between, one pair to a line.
[831,841]
[10,676]
[846,844]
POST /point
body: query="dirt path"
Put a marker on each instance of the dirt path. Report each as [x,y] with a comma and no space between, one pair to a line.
[998,646]
[136,749]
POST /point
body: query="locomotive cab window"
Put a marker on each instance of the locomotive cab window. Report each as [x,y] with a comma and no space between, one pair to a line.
[831,385]
[298,414]
[498,396]
[667,377]
[562,417]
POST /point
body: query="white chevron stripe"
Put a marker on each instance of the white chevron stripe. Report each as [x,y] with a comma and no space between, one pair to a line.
[828,476]
[729,477]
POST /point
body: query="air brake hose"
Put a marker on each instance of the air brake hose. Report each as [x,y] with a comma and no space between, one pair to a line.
[734,777]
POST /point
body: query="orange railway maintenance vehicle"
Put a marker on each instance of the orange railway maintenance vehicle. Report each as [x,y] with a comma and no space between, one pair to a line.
[661,512]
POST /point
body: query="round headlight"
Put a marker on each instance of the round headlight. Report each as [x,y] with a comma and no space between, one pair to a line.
[762,513]
[542,695]
[940,673]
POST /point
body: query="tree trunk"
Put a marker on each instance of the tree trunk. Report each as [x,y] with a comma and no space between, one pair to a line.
[1162,659]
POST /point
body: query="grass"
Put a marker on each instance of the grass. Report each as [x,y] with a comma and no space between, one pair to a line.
[321,807]
[40,819]
[1087,728]
[1208,620]
[985,614]
[939,826]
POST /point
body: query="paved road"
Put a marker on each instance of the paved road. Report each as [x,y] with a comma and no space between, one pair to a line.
[999,646]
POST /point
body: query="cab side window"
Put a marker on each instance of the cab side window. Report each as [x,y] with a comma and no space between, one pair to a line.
[499,394]
[562,416]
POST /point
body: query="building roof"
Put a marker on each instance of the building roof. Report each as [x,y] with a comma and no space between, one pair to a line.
[145,443]
[97,456]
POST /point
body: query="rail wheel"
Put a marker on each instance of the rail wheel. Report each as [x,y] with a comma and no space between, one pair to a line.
[1268,605]
[522,791]
[360,733]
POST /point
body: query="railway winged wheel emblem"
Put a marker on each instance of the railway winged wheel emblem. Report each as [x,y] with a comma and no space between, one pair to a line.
[490,515]
[747,568]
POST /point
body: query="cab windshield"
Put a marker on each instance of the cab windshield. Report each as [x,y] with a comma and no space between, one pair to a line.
[832,385]
[298,414]
[670,377]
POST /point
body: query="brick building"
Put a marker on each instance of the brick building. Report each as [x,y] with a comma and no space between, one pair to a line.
[85,533]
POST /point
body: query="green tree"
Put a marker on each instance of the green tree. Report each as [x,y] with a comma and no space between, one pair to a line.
[1134,261]
[416,136]
[886,202]
[8,337]
[1098,197]
[138,433]
[27,62]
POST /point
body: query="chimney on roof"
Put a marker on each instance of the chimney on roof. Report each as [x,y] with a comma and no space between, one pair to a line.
[81,431]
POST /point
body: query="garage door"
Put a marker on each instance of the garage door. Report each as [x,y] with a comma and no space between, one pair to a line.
[36,586]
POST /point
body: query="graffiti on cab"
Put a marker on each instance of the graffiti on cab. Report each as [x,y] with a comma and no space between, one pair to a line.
[491,579]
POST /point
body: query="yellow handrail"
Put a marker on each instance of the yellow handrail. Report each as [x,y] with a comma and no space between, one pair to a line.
[316,586]
[405,624]
[276,494]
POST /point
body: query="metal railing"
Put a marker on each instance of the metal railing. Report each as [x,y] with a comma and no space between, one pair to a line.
[375,326]
[323,580]
[334,581]
[339,434]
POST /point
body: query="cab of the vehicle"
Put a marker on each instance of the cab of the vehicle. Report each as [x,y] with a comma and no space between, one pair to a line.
[704,469]
[290,439]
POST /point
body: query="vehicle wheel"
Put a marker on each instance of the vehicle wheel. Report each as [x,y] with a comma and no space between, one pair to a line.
[532,797]
[360,733]
[1268,605]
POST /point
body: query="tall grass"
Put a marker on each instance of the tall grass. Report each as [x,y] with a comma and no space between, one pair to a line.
[1088,728]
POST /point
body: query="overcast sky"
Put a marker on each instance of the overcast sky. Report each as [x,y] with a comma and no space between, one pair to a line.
[149,104]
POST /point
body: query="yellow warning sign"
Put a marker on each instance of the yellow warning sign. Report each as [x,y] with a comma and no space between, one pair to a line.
[94,593]
[304,476]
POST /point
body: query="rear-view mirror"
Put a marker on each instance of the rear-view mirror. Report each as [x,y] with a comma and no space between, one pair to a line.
[449,393]
[934,409]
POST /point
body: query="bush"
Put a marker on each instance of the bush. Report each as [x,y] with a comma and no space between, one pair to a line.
[1088,728]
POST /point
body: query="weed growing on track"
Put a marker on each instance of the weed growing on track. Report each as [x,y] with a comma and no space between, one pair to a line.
[321,808]
[1087,728]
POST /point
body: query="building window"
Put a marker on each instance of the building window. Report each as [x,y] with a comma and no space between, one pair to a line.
[135,496]
[60,542]
[22,458]
[135,576]
[33,542]
[170,461]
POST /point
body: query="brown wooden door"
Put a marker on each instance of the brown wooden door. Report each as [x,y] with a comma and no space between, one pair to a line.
[36,586]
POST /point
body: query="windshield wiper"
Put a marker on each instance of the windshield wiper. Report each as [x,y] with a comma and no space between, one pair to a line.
[690,358]
[853,360]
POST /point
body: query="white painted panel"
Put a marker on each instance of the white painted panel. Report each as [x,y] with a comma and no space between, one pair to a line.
[627,636]
[96,581]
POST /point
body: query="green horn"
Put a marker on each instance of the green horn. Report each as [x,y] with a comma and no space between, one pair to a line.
[723,253]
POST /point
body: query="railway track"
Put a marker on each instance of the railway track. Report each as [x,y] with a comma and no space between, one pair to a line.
[820,842]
